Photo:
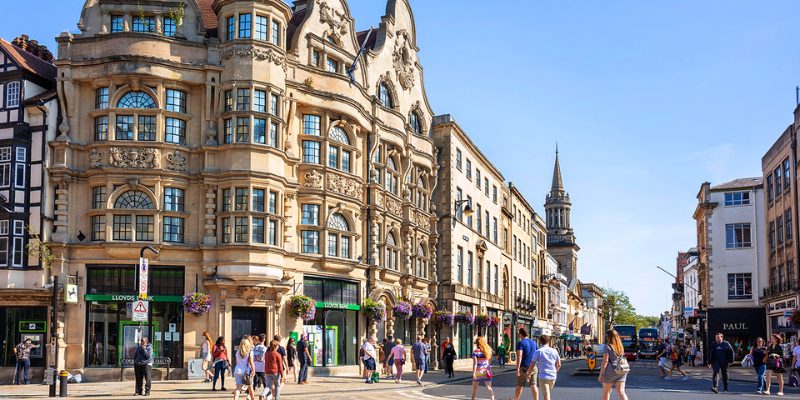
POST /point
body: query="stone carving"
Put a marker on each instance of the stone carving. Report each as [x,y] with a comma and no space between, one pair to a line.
[176,161]
[134,157]
[336,21]
[95,159]
[255,293]
[379,200]
[404,60]
[346,186]
[422,220]
[255,53]
[313,180]
[393,206]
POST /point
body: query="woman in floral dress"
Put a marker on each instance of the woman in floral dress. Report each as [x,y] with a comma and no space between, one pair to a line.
[481,368]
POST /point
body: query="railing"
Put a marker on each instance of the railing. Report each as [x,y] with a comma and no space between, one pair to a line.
[560,239]
[524,305]
[779,288]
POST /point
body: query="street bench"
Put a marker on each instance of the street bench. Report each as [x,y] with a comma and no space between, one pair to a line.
[157,362]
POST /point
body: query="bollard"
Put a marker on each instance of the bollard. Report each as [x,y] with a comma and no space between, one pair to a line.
[63,379]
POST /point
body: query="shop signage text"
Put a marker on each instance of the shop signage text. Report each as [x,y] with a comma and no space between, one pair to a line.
[336,306]
[777,307]
[131,297]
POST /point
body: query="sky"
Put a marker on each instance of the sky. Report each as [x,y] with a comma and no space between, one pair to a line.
[646,100]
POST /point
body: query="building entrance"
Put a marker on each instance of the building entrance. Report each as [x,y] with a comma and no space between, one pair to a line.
[248,321]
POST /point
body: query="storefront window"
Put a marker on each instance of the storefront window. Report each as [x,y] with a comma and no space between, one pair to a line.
[333,333]
[111,333]
[19,322]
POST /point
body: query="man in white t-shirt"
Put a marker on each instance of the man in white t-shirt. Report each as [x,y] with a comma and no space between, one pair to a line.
[369,358]
[547,361]
[796,355]
[259,350]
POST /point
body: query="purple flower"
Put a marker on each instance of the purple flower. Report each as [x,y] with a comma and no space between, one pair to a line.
[374,310]
[483,321]
[197,303]
[445,318]
[302,307]
[402,310]
[465,318]
[422,310]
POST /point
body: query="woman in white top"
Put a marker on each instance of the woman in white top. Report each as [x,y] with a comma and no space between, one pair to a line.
[245,368]
[205,355]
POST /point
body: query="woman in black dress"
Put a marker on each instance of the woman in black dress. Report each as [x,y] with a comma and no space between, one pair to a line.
[449,356]
[775,364]
[291,355]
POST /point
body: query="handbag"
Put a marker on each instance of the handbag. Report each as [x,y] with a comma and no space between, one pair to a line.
[247,380]
[747,361]
[622,366]
[774,361]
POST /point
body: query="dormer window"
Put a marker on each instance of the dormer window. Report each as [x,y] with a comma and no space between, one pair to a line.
[145,24]
[385,95]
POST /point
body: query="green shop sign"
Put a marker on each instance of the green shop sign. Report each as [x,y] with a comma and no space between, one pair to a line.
[336,306]
[131,297]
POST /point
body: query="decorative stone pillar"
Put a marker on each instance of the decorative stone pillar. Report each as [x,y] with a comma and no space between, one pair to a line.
[374,253]
[289,224]
[210,236]
[61,211]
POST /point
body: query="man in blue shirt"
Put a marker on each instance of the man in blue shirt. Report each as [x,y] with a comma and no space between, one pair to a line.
[548,362]
[720,357]
[418,350]
[525,350]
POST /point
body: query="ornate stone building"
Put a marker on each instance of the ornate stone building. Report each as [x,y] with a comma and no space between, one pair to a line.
[234,138]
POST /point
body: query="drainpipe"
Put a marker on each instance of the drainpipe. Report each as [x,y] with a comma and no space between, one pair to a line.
[795,226]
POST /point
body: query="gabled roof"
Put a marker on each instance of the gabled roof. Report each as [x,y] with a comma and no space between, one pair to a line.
[294,23]
[28,61]
[741,183]
[209,16]
[372,38]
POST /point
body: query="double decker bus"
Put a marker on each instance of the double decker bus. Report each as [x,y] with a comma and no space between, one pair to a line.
[648,342]
[629,341]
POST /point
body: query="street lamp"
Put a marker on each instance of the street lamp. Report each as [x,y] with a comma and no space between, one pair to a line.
[468,211]
[138,271]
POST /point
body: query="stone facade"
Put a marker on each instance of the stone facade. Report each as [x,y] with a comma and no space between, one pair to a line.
[229,136]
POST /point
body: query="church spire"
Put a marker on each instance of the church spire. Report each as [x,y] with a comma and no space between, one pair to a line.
[558,184]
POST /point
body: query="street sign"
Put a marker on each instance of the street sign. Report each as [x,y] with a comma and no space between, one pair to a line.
[144,269]
[688,312]
[140,308]
[71,296]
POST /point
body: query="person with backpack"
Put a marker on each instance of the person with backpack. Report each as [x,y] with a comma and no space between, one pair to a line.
[775,364]
[662,356]
[612,368]
[758,355]
[676,356]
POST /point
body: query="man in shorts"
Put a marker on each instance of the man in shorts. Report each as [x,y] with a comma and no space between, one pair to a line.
[525,350]
[418,351]
[663,357]
[369,358]
[548,362]
[388,360]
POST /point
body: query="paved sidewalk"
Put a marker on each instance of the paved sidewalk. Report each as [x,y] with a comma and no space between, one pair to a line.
[318,387]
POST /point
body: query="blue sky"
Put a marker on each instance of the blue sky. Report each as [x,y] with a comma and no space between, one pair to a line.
[646,99]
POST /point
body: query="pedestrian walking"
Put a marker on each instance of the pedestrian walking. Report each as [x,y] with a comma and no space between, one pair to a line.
[369,358]
[759,356]
[274,371]
[448,357]
[427,342]
[143,366]
[244,369]
[22,351]
[291,360]
[205,355]
[720,357]
[388,361]
[259,352]
[525,350]
[568,351]
[662,356]
[502,353]
[611,372]
[221,362]
[547,362]
[305,358]
[775,364]
[676,355]
[418,351]
[692,355]
[399,356]
[281,350]
[481,368]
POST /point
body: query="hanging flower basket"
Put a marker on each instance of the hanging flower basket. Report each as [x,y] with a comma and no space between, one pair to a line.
[495,321]
[483,321]
[422,310]
[302,307]
[795,318]
[402,310]
[465,318]
[197,303]
[445,318]
[374,310]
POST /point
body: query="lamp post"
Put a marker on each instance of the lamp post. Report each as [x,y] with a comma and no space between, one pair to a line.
[466,204]
[138,276]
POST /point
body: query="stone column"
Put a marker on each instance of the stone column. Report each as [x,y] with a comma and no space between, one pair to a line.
[61,212]
[210,236]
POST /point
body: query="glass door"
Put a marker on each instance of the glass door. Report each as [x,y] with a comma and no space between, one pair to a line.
[334,320]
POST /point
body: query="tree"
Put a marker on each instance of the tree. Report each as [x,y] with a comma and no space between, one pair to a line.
[620,311]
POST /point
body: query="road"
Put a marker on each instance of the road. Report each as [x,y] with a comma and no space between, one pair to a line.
[643,383]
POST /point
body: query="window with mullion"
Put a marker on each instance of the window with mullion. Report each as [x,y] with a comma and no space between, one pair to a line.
[146,24]
[176,101]
[144,228]
[310,214]
[122,227]
[241,199]
[333,157]
[260,101]
[240,230]
[175,131]
[226,230]
[738,235]
[273,104]
[228,131]
[170,28]
[788,220]
[258,230]
[273,232]
[98,197]
[242,129]
[311,124]
[124,127]
[101,128]
[174,199]
[99,228]
[740,286]
[276,33]
[258,200]
[228,103]
[244,26]
[273,134]
[230,28]
[226,199]
[273,202]
[310,242]
[311,152]
[259,130]
[243,99]
[101,98]
[117,23]
[261,28]
[147,128]
[173,229]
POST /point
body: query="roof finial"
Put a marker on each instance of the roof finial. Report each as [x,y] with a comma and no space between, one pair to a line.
[556,148]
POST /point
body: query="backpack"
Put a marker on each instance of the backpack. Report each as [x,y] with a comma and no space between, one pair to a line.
[793,381]
[622,367]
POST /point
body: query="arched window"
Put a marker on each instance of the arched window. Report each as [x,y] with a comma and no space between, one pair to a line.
[421,194]
[339,236]
[385,95]
[129,226]
[136,100]
[422,263]
[415,123]
[134,199]
[392,177]
[392,252]
[339,155]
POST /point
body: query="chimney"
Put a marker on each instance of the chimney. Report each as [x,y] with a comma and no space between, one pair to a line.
[33,47]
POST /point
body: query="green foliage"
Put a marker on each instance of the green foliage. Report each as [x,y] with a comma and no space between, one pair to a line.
[39,249]
[177,14]
[620,311]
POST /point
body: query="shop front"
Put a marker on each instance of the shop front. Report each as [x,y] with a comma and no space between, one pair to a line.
[18,324]
[740,326]
[778,317]
[334,332]
[112,333]
[465,332]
